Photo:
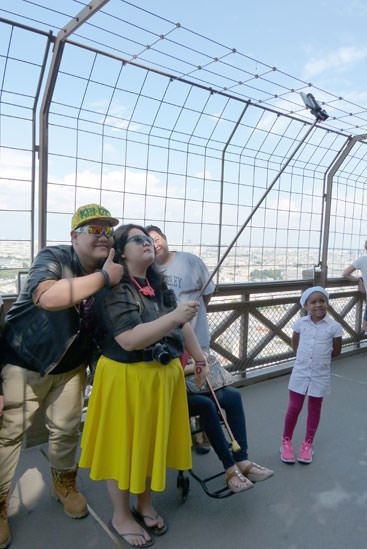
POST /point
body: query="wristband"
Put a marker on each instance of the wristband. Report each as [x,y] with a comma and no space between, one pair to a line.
[107,280]
[199,364]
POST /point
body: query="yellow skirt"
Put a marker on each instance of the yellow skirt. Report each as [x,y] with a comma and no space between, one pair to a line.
[137,424]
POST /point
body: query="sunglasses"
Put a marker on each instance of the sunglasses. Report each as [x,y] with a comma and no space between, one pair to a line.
[141,239]
[96,230]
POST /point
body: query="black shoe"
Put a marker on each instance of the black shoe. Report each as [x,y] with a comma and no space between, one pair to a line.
[201,449]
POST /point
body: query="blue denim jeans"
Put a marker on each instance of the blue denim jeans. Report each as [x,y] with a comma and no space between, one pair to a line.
[230,401]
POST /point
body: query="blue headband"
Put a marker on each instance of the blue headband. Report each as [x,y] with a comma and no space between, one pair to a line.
[306,294]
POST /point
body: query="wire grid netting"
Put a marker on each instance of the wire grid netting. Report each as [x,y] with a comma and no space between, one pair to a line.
[230,345]
[257,330]
[157,126]
[263,346]
[21,62]
[339,305]
[348,227]
[135,32]
[231,339]
[169,172]
[350,319]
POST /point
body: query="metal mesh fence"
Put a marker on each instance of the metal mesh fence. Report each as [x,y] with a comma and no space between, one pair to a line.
[21,60]
[172,128]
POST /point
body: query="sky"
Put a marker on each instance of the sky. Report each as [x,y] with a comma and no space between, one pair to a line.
[319,42]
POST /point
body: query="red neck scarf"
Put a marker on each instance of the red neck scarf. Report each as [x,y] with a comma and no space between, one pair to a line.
[145,290]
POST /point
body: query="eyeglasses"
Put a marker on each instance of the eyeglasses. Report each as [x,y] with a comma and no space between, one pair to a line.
[96,230]
[141,239]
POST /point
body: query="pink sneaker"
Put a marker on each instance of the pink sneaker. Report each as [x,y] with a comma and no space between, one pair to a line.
[286,451]
[305,452]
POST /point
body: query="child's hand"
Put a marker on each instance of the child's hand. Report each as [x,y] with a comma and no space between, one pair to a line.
[1,404]
[337,347]
[361,287]
[201,371]
[189,367]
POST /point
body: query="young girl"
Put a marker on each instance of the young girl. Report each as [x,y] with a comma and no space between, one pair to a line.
[316,339]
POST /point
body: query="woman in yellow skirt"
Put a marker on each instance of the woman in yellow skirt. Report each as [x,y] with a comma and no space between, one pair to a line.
[137,422]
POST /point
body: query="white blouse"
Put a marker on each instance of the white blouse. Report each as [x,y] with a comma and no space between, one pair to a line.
[311,372]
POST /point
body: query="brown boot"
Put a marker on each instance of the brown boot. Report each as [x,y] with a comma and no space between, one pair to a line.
[5,537]
[65,490]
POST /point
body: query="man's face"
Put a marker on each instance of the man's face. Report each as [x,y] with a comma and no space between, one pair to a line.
[92,244]
[160,246]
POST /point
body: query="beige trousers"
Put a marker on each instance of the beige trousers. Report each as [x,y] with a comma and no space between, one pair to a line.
[24,392]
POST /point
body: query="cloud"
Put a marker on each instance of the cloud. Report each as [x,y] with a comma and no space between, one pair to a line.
[108,148]
[116,117]
[359,97]
[353,8]
[339,59]
[15,181]
[284,204]
[15,186]
[13,157]
[115,123]
[207,175]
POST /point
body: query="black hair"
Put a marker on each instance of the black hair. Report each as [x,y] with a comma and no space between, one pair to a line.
[156,229]
[121,235]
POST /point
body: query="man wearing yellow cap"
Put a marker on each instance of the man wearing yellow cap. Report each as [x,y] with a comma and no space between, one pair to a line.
[46,343]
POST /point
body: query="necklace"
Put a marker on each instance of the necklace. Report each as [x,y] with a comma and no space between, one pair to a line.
[145,290]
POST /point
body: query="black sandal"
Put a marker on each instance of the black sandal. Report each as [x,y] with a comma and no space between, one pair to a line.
[148,543]
[154,529]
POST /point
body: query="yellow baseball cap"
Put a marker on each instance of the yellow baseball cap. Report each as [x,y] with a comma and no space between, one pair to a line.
[92,212]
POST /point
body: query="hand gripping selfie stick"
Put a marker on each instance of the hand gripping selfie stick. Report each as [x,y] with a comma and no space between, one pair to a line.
[320,116]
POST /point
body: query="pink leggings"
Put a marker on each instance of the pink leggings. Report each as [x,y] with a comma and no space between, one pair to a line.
[294,408]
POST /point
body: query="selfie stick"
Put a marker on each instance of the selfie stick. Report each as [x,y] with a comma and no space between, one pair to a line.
[235,446]
[320,115]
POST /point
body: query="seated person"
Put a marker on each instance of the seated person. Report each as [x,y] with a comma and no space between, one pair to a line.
[240,472]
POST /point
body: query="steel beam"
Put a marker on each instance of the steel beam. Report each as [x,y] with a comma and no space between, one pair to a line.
[62,36]
[328,198]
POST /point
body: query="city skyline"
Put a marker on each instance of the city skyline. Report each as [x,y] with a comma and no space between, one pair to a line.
[254,265]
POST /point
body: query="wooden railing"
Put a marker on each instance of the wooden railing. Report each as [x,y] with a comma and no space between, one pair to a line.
[251,324]
[251,327]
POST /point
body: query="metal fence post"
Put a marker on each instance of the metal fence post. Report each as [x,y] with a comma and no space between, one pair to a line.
[328,199]
[244,330]
[74,24]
